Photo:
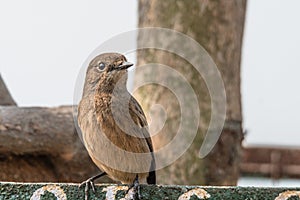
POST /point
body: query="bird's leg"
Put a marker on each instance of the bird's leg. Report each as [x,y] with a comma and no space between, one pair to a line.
[90,183]
[136,188]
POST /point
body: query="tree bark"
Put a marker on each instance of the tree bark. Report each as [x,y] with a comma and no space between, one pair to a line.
[29,130]
[218,27]
[45,143]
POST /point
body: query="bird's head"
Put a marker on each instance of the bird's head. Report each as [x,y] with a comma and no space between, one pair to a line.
[106,70]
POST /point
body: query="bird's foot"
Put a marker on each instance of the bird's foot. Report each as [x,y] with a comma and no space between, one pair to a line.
[136,194]
[89,183]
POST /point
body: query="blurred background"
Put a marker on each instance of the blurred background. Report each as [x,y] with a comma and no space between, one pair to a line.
[44,44]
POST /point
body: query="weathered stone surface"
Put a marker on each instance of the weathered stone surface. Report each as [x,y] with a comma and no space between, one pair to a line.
[63,191]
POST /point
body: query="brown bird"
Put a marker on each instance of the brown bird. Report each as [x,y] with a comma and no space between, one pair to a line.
[113,124]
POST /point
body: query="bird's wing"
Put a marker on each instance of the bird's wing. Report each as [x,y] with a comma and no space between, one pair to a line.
[139,118]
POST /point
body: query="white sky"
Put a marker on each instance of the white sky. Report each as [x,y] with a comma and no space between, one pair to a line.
[270,72]
[44,43]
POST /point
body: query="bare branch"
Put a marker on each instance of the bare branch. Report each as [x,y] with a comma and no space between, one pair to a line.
[5,97]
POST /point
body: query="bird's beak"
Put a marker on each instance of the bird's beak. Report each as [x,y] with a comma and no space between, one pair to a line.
[124,65]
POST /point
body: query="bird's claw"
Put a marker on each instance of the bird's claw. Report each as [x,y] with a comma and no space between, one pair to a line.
[136,194]
[88,183]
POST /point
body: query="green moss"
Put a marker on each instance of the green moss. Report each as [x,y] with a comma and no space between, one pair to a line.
[48,196]
[25,191]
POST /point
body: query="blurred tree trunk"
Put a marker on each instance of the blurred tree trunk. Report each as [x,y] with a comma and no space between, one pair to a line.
[217,26]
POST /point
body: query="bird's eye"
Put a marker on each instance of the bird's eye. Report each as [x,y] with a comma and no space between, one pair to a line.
[101,66]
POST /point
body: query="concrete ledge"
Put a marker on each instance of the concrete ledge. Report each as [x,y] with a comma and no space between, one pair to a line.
[63,191]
